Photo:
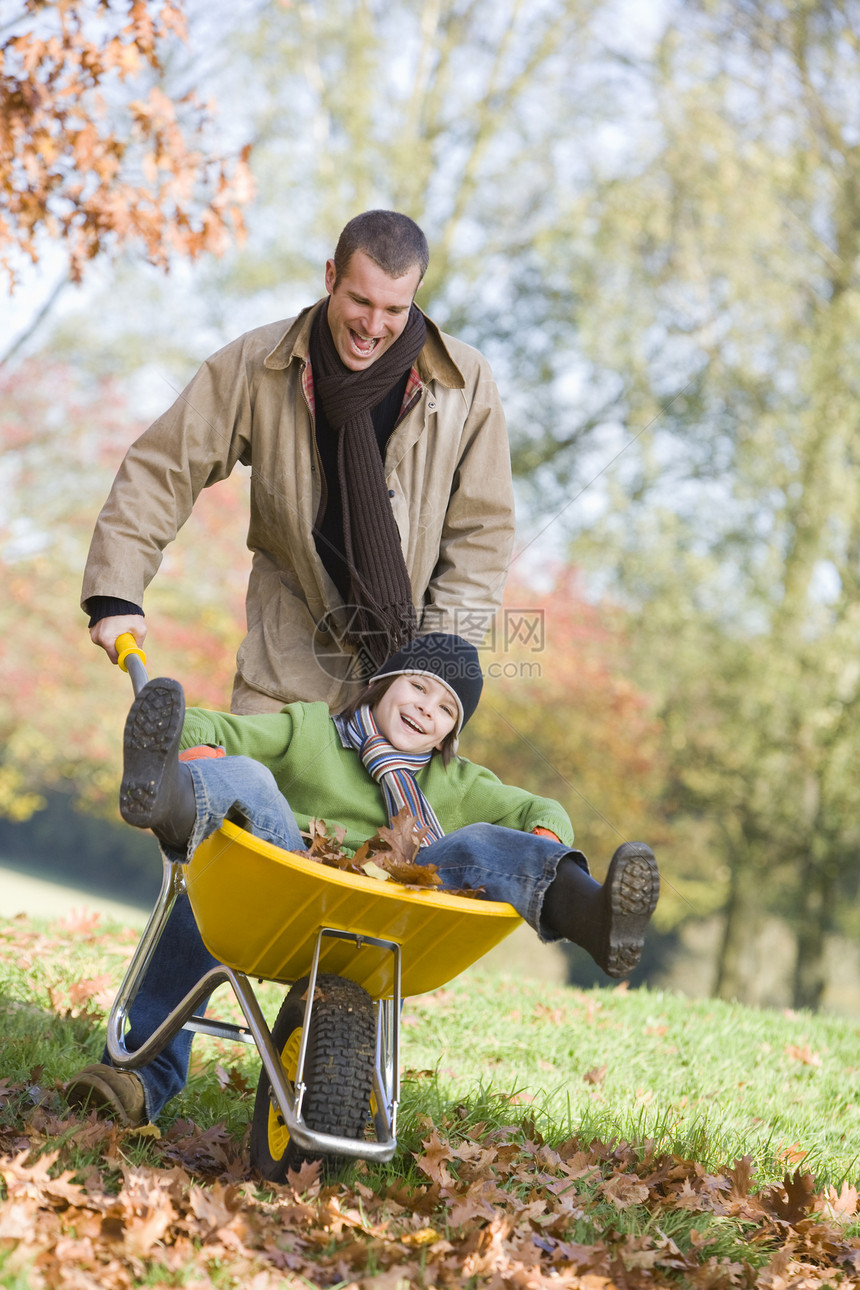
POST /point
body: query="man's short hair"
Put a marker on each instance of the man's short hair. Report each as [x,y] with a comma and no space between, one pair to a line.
[393,241]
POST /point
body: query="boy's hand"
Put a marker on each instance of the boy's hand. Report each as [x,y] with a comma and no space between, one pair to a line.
[545,833]
[200,751]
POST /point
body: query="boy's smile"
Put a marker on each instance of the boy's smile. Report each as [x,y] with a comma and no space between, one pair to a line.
[416,713]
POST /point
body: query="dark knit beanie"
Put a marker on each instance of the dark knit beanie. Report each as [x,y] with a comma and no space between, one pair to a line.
[449,659]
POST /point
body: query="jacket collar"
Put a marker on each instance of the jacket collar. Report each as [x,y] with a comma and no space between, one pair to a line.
[434,363]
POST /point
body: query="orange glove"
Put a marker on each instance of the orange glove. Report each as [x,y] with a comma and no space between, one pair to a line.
[546,833]
[200,751]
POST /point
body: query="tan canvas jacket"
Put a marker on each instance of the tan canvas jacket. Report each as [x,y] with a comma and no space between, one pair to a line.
[447,465]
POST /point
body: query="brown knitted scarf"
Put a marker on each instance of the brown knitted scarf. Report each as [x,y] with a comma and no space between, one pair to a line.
[384,615]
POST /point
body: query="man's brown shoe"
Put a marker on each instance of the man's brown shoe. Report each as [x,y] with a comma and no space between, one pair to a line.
[103,1088]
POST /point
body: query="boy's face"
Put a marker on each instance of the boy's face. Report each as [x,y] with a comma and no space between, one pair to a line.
[416,713]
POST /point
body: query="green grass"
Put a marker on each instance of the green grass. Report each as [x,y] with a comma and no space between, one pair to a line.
[704,1078]
[711,1079]
[629,1079]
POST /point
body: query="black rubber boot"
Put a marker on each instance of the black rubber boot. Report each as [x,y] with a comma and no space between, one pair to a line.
[610,920]
[157,791]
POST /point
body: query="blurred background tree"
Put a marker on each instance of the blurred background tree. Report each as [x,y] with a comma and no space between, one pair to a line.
[733,525]
[648,220]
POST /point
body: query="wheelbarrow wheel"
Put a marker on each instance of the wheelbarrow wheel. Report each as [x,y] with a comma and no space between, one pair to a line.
[339,1063]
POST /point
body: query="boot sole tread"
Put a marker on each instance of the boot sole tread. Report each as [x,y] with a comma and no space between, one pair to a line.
[153,723]
[634,889]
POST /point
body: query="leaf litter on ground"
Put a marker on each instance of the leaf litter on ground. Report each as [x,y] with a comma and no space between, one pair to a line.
[479,1196]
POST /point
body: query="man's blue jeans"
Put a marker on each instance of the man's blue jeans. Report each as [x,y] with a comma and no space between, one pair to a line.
[509,865]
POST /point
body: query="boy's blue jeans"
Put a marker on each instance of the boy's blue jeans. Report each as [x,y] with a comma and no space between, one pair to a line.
[509,865]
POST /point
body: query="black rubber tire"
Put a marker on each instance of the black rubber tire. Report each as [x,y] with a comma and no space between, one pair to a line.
[339,1066]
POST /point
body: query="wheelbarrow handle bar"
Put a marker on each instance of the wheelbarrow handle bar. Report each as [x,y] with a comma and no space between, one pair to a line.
[132,659]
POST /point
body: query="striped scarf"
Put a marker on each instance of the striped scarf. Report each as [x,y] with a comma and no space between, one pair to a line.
[394,771]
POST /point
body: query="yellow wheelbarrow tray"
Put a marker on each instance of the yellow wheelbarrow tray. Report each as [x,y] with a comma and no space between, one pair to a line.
[275,915]
[259,910]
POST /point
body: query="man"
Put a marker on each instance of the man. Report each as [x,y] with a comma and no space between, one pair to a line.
[381,496]
[381,508]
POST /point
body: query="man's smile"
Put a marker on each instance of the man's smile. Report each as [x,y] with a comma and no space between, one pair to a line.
[367,309]
[364,344]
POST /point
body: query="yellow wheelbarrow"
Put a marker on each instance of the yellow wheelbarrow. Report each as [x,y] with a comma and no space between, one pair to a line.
[350,948]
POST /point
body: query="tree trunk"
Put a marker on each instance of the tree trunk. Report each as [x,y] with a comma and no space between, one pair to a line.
[742,921]
[813,921]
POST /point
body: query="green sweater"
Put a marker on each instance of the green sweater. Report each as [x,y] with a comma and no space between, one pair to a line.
[321,779]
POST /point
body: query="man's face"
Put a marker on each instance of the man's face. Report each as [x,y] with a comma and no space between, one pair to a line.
[367,310]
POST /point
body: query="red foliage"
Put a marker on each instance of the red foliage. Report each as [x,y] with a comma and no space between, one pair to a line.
[561,717]
[62,705]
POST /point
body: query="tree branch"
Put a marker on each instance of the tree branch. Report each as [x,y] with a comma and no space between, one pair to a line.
[34,325]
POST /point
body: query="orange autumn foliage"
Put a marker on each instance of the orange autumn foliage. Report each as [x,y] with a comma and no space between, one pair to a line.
[93,153]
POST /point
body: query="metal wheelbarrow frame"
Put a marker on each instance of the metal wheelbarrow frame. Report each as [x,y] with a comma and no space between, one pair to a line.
[279,916]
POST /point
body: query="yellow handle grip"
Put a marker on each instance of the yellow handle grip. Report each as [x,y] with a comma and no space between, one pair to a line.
[125,645]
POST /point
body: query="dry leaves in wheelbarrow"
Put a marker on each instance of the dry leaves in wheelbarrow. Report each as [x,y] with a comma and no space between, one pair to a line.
[390,854]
